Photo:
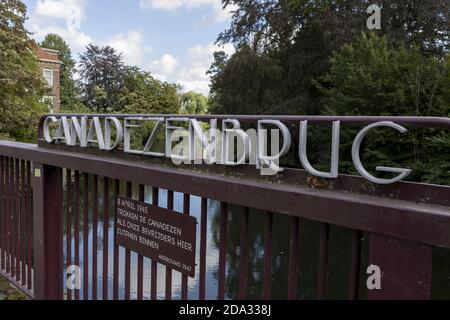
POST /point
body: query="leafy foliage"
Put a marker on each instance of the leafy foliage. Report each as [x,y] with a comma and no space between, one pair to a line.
[193,103]
[298,37]
[245,85]
[107,85]
[369,77]
[102,76]
[141,93]
[21,85]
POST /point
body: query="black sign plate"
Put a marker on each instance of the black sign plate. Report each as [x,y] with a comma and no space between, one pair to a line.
[157,233]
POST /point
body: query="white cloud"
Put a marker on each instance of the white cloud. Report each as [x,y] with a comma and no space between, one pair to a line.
[60,9]
[193,76]
[201,52]
[164,66]
[77,40]
[132,45]
[174,4]
[192,72]
[189,70]
[63,17]
[218,14]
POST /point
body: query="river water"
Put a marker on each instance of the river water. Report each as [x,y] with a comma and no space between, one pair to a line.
[339,256]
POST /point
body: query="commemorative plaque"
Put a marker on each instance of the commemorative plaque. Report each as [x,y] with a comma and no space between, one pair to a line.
[157,233]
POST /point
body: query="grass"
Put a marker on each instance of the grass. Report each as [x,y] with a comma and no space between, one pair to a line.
[10,292]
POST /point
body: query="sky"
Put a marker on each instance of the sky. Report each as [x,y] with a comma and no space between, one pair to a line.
[173,39]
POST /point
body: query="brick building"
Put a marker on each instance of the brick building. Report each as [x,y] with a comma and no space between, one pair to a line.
[51,68]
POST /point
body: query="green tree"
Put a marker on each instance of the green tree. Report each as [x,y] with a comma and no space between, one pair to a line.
[101,78]
[215,71]
[141,93]
[21,84]
[276,24]
[68,89]
[298,37]
[246,84]
[369,77]
[193,103]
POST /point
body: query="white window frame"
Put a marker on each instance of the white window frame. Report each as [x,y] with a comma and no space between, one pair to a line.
[50,71]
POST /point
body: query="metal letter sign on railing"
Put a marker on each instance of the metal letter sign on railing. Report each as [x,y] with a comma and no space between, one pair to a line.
[92,132]
[87,169]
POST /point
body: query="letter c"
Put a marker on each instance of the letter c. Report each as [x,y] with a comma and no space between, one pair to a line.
[46,129]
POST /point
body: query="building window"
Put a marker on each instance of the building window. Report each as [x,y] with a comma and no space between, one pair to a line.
[48,76]
[50,101]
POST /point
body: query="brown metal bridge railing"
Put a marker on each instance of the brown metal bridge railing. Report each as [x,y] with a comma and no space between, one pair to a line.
[49,196]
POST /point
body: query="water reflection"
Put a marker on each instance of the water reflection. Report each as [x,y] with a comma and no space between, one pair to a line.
[211,255]
[309,233]
[338,264]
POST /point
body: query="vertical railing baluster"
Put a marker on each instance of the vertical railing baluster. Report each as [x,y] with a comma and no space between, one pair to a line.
[169,270]
[116,246]
[19,221]
[94,236]
[293,260]
[222,249]
[23,246]
[405,268]
[203,235]
[140,264]
[69,224]
[154,265]
[267,273]
[14,218]
[105,237]
[11,216]
[355,265]
[2,214]
[85,236]
[29,227]
[323,261]
[9,213]
[76,231]
[4,210]
[243,275]
[48,232]
[17,218]
[184,278]
[128,253]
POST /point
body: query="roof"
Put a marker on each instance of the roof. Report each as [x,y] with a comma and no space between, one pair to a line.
[46,55]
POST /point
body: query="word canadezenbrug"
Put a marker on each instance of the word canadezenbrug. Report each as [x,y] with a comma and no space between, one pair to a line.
[192,141]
